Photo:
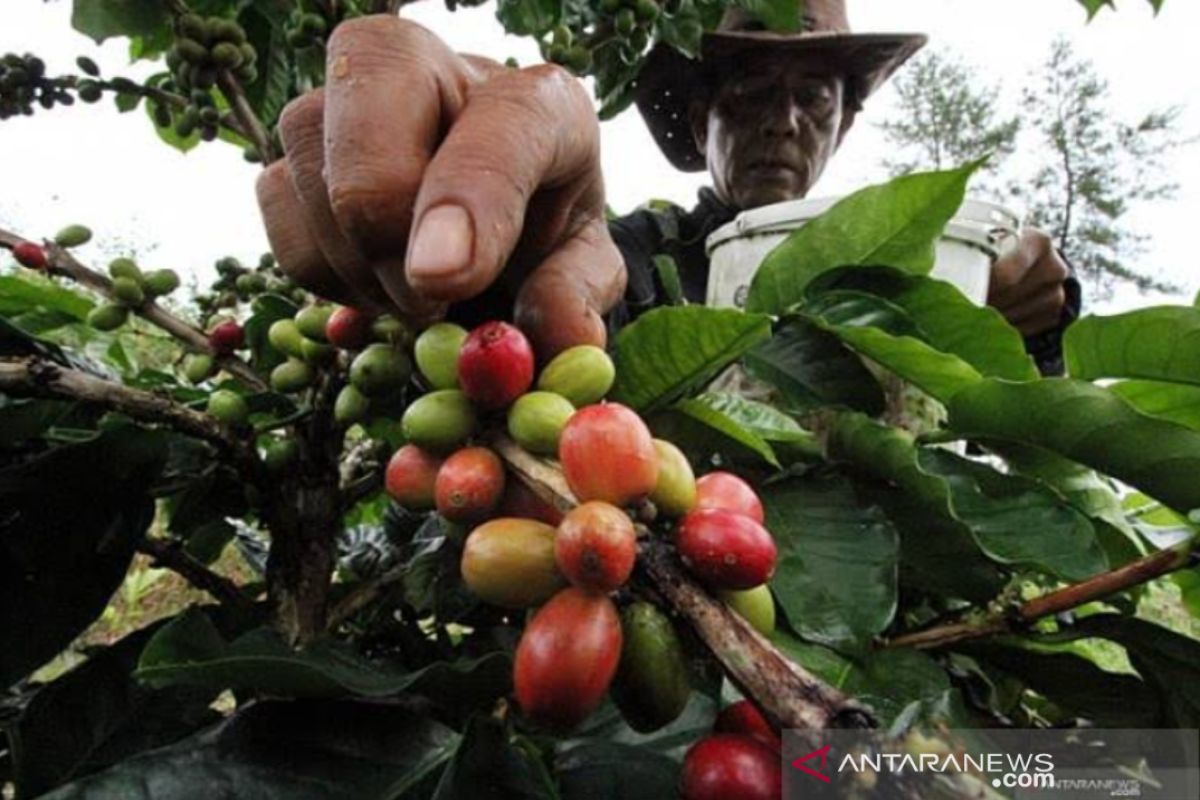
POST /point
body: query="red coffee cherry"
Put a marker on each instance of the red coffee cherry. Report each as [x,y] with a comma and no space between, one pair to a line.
[495,365]
[728,491]
[607,454]
[725,767]
[30,254]
[226,337]
[349,328]
[469,485]
[726,550]
[411,476]
[596,546]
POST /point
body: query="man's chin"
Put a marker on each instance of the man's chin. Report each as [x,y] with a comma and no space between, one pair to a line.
[768,188]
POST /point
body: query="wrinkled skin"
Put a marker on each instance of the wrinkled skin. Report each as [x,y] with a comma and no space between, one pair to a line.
[408,179]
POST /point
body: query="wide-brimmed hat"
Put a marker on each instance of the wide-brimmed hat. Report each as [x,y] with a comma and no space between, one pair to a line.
[669,80]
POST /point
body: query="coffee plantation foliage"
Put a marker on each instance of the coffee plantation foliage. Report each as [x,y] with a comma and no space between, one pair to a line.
[959,541]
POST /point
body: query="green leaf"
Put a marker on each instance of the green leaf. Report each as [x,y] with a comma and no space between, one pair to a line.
[701,431]
[485,765]
[21,295]
[316,750]
[836,577]
[1094,6]
[268,309]
[67,536]
[1076,684]
[96,715]
[857,319]
[1166,660]
[273,89]
[529,17]
[771,424]
[1173,402]
[781,16]
[1012,520]
[811,368]
[948,320]
[102,19]
[190,651]
[1160,344]
[890,681]
[668,352]
[671,741]
[1090,425]
[896,224]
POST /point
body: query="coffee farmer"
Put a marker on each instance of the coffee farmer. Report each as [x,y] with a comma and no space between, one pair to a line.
[419,177]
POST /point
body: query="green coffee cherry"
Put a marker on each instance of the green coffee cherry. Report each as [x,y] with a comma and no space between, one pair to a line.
[193,26]
[439,421]
[280,454]
[285,337]
[292,375]
[226,30]
[191,50]
[228,407]
[89,91]
[756,606]
[124,268]
[380,370]
[107,317]
[436,351]
[198,367]
[227,55]
[87,66]
[316,353]
[161,282]
[391,330]
[652,685]
[646,10]
[128,292]
[73,236]
[536,420]
[625,22]
[675,492]
[351,406]
[311,321]
[582,374]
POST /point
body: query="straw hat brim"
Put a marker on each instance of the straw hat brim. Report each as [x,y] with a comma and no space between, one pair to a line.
[669,79]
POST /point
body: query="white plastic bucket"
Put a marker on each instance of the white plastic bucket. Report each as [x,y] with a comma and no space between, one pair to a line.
[973,239]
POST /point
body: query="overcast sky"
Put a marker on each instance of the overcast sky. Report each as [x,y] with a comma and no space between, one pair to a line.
[90,164]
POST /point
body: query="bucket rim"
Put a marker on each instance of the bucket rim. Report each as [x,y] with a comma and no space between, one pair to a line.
[983,218]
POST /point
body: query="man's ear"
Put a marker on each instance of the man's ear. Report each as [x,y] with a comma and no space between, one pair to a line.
[698,121]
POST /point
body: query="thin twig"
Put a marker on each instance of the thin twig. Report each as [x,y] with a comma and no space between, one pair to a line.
[362,596]
[1095,588]
[62,262]
[33,376]
[171,555]
[246,116]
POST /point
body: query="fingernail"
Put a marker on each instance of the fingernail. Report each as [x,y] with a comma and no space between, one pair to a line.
[443,243]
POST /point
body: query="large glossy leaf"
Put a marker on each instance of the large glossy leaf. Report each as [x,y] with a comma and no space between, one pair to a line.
[191,652]
[836,577]
[882,331]
[96,715]
[811,368]
[892,681]
[314,750]
[896,224]
[604,770]
[1075,684]
[946,319]
[1174,402]
[71,519]
[1011,519]
[771,424]
[670,351]
[703,431]
[1090,425]
[529,17]
[1160,344]
[1166,660]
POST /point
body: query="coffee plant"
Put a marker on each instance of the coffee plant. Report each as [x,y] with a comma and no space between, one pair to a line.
[606,576]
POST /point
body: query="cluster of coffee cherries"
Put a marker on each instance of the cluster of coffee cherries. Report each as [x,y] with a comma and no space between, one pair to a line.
[204,48]
[524,553]
[23,83]
[741,758]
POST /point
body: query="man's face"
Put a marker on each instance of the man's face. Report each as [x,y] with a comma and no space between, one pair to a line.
[769,131]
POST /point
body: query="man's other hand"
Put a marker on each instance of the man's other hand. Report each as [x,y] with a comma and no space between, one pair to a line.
[418,177]
[1027,284]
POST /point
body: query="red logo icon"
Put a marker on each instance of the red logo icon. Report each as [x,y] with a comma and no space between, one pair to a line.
[822,753]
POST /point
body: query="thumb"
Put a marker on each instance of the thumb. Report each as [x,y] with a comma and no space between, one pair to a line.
[521,132]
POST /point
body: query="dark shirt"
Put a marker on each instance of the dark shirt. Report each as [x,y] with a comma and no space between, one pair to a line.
[668,229]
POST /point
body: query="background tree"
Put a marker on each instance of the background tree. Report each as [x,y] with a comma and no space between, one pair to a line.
[1092,169]
[947,116]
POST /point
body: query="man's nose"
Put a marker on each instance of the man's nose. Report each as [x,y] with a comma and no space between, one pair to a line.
[782,117]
